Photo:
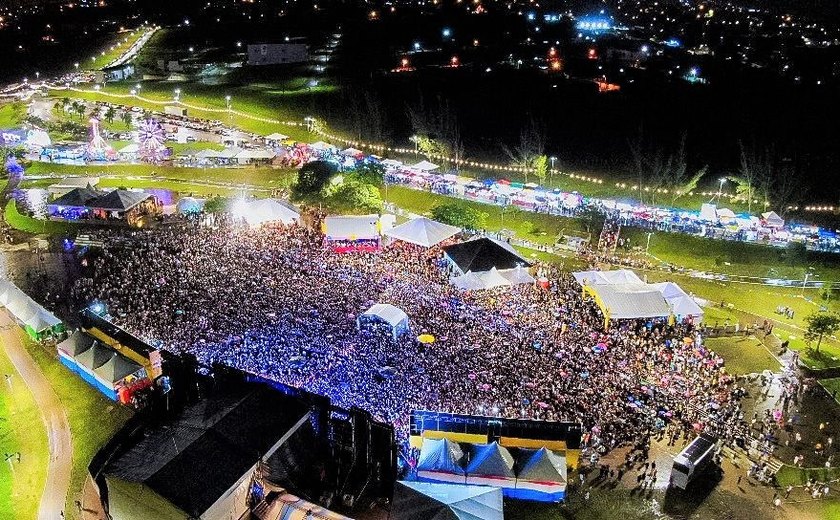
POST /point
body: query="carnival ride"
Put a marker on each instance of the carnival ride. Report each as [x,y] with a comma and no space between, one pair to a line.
[98,148]
[152,139]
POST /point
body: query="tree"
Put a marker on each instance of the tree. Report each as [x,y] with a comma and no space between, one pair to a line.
[541,168]
[216,205]
[354,195]
[78,109]
[126,118]
[821,324]
[312,178]
[369,173]
[110,114]
[436,131]
[460,214]
[531,146]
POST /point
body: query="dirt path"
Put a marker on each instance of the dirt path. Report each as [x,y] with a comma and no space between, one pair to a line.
[53,415]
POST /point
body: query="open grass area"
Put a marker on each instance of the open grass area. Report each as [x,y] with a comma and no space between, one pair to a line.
[793,476]
[736,258]
[208,102]
[743,355]
[34,225]
[93,418]
[827,357]
[832,386]
[21,431]
[11,114]
[261,177]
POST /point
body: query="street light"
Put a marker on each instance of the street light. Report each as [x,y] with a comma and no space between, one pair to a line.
[647,247]
[177,94]
[227,102]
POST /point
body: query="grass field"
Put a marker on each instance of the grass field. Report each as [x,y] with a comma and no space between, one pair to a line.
[21,430]
[743,355]
[93,417]
[832,386]
[33,225]
[270,104]
[11,115]
[793,476]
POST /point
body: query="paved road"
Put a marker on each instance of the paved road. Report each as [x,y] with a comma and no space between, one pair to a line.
[53,415]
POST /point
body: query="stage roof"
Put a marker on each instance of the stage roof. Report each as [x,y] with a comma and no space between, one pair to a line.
[423,231]
[483,254]
[428,501]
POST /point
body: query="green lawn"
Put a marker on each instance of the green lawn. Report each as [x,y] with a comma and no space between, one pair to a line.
[832,385]
[743,355]
[34,225]
[827,357]
[261,177]
[93,417]
[264,106]
[11,114]
[793,476]
[21,430]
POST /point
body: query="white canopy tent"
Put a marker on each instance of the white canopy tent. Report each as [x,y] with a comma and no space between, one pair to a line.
[425,166]
[773,220]
[393,316]
[423,231]
[130,149]
[261,211]
[391,163]
[352,227]
[432,501]
[628,301]
[606,277]
[322,146]
[682,304]
[349,152]
[26,311]
[482,280]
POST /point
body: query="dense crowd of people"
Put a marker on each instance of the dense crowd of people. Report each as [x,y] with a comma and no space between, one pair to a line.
[276,302]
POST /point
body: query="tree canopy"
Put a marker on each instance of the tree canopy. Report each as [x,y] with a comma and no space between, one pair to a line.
[312,178]
[821,324]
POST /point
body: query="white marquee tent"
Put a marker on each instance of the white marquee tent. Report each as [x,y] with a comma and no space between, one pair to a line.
[423,231]
[481,280]
[425,166]
[261,211]
[430,501]
[352,227]
[606,277]
[681,303]
[395,317]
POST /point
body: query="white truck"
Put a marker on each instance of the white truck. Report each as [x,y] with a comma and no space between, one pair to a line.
[175,110]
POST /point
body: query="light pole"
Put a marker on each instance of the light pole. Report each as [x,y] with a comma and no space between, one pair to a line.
[647,247]
[230,114]
[722,181]
[414,139]
[177,95]
[551,172]
[808,273]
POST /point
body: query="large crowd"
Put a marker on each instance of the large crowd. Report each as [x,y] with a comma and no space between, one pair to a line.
[276,302]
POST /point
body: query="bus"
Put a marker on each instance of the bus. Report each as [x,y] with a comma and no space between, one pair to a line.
[693,460]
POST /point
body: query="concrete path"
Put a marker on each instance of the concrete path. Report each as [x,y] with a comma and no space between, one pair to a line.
[53,415]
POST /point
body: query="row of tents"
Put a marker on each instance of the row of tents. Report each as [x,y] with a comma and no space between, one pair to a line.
[102,367]
[38,322]
[533,474]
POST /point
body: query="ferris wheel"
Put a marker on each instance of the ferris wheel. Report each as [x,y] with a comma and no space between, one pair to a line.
[152,139]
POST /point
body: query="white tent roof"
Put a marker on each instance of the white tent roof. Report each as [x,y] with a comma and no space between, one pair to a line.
[351,151]
[463,502]
[483,280]
[682,304]
[708,212]
[276,136]
[773,219]
[255,154]
[725,213]
[626,301]
[606,277]
[391,163]
[25,309]
[517,275]
[321,145]
[229,153]
[131,148]
[393,316]
[425,166]
[269,210]
[352,227]
[423,231]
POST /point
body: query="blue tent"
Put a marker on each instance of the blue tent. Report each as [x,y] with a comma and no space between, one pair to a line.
[440,455]
[491,460]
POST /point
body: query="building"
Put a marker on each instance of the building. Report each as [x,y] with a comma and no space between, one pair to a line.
[278,53]
[86,203]
[116,73]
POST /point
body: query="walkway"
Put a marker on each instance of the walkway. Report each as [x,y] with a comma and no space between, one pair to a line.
[53,415]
